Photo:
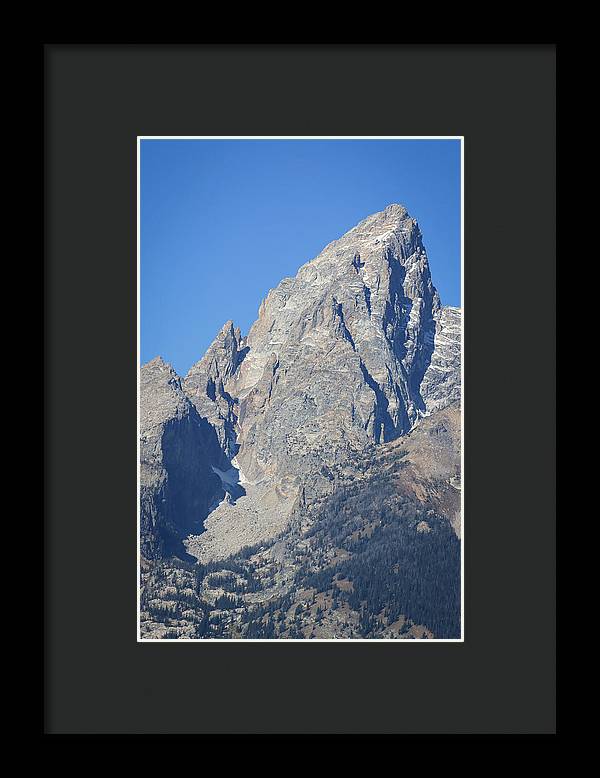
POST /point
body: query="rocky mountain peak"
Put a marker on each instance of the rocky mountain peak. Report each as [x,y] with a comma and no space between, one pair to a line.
[205,384]
[221,358]
[340,350]
[351,352]
[161,394]
[313,468]
[157,365]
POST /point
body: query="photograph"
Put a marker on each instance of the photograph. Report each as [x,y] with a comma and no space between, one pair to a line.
[300,389]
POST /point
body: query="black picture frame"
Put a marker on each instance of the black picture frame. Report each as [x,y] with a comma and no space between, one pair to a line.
[98,678]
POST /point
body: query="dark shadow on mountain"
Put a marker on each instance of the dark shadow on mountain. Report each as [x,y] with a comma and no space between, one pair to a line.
[241,355]
[382,414]
[191,449]
[426,349]
[234,493]
[425,345]
[368,299]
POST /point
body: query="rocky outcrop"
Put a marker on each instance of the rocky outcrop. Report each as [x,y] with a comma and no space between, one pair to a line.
[339,351]
[177,449]
[206,380]
[441,383]
[430,459]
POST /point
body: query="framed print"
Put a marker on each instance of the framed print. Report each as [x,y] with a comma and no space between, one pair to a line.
[299,446]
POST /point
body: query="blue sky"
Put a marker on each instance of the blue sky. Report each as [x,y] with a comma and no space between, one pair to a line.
[222,222]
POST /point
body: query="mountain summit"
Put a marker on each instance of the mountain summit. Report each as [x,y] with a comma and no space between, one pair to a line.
[348,355]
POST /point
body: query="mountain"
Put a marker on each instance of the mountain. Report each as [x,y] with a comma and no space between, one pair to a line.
[340,350]
[350,365]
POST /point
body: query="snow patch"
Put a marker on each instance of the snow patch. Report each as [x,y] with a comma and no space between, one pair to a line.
[229,477]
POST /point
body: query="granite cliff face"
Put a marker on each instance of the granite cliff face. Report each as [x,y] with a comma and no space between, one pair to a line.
[441,383]
[338,353]
[206,380]
[349,354]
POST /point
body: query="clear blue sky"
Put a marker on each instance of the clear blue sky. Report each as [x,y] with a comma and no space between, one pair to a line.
[222,222]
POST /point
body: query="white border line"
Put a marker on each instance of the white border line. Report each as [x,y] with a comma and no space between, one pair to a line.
[462,389]
[305,641]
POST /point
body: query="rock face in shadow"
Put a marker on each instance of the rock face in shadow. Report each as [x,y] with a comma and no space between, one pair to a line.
[177,449]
